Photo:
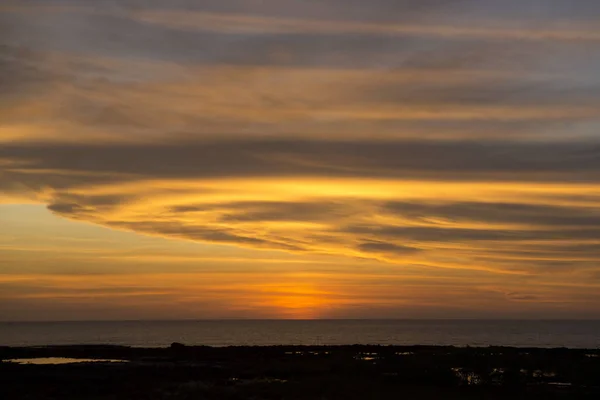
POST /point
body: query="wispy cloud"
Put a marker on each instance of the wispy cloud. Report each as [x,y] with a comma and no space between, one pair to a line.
[235,23]
[453,140]
[489,30]
[402,202]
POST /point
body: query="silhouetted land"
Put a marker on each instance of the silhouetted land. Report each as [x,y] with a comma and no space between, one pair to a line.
[303,372]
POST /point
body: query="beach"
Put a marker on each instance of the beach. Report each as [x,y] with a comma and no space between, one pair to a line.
[297,372]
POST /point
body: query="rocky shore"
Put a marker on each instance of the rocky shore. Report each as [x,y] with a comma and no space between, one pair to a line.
[297,372]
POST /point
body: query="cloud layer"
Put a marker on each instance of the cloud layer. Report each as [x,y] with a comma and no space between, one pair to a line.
[440,135]
[509,207]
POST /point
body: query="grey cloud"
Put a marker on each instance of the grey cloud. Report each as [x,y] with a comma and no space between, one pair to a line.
[22,72]
[515,213]
[284,211]
[344,9]
[26,72]
[521,297]
[384,247]
[537,249]
[287,159]
[59,169]
[552,253]
[595,275]
[458,160]
[208,234]
[438,234]
[187,209]
[79,206]
[545,265]
[357,9]
[565,223]
[45,288]
[120,36]
[66,208]
[112,31]
[501,92]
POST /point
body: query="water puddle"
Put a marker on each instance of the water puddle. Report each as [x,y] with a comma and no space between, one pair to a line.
[60,360]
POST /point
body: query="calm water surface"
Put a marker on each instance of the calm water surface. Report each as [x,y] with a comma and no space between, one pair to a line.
[60,360]
[575,334]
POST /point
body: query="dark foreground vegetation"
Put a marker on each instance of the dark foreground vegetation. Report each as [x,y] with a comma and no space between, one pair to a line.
[302,372]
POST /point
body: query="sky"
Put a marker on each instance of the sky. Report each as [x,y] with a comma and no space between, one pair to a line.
[299,159]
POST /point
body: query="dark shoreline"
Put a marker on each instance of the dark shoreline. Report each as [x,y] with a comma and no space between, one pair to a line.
[38,350]
[302,372]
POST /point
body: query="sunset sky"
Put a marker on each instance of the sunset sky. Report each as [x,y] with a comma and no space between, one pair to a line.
[299,159]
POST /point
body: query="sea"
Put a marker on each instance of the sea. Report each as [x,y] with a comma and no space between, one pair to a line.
[476,333]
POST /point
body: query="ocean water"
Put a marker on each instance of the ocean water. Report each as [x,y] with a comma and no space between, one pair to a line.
[574,334]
